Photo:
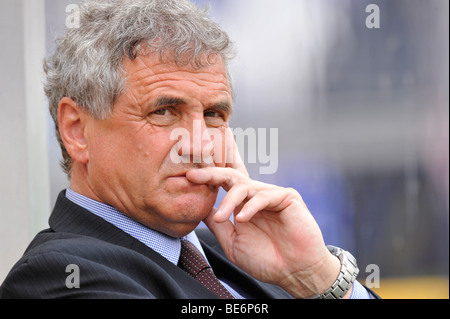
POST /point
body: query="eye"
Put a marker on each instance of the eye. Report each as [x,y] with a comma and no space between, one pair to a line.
[163,112]
[211,113]
[163,117]
[214,118]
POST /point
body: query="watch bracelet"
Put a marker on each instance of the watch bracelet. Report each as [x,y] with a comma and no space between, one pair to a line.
[347,275]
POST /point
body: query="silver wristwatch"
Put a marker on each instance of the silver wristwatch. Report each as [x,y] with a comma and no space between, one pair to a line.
[347,275]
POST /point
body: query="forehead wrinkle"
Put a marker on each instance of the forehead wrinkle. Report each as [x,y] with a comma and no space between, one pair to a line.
[160,69]
[148,86]
[180,75]
[144,78]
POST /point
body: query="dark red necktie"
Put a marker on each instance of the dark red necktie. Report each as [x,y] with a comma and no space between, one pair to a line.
[192,261]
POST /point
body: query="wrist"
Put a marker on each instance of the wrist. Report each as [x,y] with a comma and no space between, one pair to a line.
[331,279]
[315,280]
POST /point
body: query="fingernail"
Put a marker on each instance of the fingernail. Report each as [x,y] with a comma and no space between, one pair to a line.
[241,217]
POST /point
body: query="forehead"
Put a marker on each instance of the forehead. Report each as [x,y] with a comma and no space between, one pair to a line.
[148,75]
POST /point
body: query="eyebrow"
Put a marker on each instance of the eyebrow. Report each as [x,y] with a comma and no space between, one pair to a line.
[224,106]
[168,100]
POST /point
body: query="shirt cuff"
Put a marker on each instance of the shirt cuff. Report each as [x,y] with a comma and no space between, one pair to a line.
[359,291]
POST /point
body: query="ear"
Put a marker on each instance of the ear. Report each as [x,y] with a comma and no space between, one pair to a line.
[72,123]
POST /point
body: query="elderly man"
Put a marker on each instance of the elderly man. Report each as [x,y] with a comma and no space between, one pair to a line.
[118,86]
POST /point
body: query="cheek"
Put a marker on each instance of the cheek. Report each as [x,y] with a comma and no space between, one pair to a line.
[138,152]
[153,150]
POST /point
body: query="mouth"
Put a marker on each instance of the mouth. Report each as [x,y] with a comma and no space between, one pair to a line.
[182,172]
[181,180]
[178,175]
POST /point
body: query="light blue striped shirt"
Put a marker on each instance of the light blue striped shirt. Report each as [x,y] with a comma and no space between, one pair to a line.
[166,246]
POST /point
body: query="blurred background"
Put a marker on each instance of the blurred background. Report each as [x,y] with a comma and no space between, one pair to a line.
[362,116]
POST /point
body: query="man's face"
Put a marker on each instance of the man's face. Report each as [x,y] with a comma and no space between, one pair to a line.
[130,165]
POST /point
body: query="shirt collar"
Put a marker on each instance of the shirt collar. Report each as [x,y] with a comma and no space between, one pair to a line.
[167,246]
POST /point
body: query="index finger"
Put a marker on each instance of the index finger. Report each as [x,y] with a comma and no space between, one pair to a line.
[216,176]
[233,158]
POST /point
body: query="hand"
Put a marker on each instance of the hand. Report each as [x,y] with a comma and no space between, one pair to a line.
[274,237]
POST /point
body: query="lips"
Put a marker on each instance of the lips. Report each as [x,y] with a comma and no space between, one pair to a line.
[179,175]
[180,180]
[181,171]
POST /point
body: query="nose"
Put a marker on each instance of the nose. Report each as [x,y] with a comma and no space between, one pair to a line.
[197,147]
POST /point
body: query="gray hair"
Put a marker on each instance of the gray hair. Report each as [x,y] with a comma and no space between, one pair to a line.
[87,64]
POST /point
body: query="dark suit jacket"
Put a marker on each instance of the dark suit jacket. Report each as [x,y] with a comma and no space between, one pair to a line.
[112,264]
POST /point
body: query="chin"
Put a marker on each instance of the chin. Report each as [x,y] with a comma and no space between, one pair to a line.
[183,213]
[194,206]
